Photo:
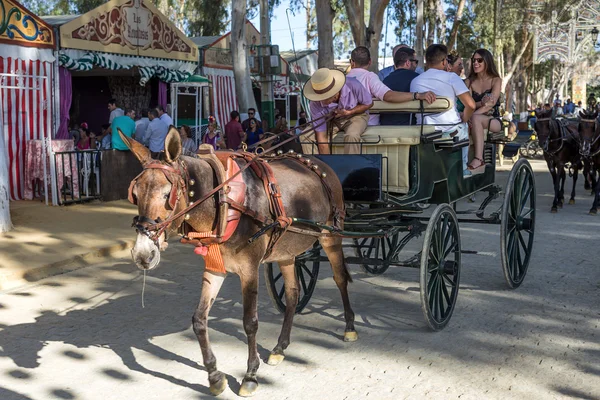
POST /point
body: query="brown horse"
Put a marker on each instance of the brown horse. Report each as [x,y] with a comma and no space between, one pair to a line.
[560,145]
[589,131]
[164,188]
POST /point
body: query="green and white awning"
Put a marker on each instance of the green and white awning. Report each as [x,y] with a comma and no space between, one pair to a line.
[164,69]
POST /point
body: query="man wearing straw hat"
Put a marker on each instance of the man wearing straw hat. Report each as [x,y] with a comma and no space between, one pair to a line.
[329,91]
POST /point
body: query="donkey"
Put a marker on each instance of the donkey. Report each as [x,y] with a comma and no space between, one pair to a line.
[589,132]
[160,192]
[560,147]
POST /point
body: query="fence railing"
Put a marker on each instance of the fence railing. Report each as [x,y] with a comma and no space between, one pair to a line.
[78,175]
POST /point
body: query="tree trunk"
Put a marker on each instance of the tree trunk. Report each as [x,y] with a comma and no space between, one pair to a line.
[515,62]
[419,32]
[241,72]
[431,13]
[374,30]
[325,16]
[5,223]
[456,24]
[356,17]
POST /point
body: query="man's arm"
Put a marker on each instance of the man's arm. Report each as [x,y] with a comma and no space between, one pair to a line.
[469,104]
[402,97]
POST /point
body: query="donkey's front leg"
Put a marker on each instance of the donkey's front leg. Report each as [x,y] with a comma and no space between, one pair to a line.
[250,299]
[211,284]
[596,191]
[575,175]
[561,192]
[288,270]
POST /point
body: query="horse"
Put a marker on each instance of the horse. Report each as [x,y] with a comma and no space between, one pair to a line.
[308,189]
[589,132]
[560,144]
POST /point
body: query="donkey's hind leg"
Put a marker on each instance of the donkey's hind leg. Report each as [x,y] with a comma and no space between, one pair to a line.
[341,276]
[292,291]
[211,284]
[561,193]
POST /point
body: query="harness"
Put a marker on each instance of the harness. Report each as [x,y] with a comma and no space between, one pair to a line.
[562,130]
[230,194]
[595,137]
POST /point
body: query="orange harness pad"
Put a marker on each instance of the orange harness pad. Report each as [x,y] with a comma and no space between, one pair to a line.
[236,191]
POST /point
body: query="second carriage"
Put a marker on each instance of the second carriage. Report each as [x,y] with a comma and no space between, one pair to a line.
[387,190]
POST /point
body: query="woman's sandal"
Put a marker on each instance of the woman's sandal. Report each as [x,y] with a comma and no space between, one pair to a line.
[477,170]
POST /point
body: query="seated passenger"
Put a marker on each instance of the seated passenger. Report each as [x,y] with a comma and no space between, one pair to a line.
[400,81]
[360,61]
[446,84]
[329,91]
[485,84]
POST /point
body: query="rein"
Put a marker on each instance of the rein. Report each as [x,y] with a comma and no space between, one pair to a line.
[160,226]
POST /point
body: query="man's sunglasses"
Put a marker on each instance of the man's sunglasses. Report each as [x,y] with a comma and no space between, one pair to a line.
[478,60]
[250,113]
[415,61]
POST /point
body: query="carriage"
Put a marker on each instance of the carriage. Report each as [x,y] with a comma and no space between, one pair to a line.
[388,189]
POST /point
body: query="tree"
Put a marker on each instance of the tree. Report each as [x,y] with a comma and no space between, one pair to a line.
[325,16]
[456,23]
[239,52]
[5,222]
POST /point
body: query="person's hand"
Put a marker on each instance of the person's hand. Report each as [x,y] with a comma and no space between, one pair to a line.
[342,113]
[429,97]
[487,100]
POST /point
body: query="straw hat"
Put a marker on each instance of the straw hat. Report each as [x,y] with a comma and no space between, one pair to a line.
[324,84]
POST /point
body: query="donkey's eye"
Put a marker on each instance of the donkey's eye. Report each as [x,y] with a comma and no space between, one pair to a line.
[166,196]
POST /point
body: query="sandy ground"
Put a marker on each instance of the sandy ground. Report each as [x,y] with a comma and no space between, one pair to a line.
[85,335]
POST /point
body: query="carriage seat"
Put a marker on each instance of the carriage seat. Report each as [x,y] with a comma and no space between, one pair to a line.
[441,104]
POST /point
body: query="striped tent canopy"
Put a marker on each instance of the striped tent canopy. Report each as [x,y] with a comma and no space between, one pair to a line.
[224,97]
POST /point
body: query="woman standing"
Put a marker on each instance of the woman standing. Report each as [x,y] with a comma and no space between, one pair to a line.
[187,143]
[213,135]
[485,83]
[254,133]
[85,138]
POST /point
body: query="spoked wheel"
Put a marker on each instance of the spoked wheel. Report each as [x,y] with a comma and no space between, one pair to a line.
[518,223]
[307,271]
[382,251]
[440,267]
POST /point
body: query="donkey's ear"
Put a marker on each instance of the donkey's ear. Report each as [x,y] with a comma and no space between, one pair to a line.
[140,151]
[172,145]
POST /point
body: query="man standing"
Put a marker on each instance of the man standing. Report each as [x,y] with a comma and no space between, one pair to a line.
[329,91]
[400,81]
[446,84]
[127,126]
[156,133]
[114,110]
[234,133]
[360,60]
[141,125]
[251,114]
[164,117]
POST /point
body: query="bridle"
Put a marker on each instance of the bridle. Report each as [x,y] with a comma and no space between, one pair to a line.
[548,141]
[594,139]
[153,228]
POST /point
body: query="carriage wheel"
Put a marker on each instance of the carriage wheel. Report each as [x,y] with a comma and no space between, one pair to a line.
[307,271]
[384,250]
[440,267]
[517,223]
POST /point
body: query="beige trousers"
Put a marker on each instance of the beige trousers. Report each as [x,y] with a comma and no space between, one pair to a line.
[353,129]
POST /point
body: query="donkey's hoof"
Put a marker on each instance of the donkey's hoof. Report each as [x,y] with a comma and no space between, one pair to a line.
[275,359]
[554,210]
[248,388]
[572,201]
[218,387]
[350,336]
[593,212]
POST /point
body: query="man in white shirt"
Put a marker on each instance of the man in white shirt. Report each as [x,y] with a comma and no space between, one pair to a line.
[360,60]
[164,117]
[446,84]
[114,110]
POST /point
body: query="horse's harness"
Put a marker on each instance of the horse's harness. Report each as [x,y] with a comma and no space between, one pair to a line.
[562,130]
[229,195]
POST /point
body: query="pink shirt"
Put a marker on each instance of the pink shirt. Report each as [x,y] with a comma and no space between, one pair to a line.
[371,82]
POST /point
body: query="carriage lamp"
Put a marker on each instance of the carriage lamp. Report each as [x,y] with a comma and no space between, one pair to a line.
[595,33]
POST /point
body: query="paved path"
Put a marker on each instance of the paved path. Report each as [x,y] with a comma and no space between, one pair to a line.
[85,335]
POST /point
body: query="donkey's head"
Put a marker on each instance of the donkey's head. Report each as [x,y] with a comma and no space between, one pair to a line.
[159,193]
[588,131]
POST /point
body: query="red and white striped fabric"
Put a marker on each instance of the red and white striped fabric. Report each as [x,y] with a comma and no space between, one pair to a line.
[224,98]
[25,112]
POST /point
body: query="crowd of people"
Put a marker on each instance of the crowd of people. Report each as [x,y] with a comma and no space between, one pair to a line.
[476,99]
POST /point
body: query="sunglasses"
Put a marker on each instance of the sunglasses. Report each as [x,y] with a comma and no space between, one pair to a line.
[250,113]
[413,60]
[478,60]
